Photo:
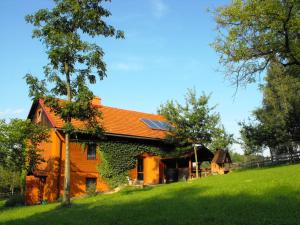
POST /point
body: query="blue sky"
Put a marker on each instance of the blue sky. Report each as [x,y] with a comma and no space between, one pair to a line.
[166,51]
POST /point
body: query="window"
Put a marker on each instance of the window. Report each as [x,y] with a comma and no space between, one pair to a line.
[91,152]
[140,168]
[91,184]
[39,116]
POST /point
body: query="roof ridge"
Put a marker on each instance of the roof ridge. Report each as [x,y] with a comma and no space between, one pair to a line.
[99,106]
[128,110]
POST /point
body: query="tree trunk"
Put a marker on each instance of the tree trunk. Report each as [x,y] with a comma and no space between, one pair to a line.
[291,151]
[66,196]
[67,181]
[272,156]
[12,190]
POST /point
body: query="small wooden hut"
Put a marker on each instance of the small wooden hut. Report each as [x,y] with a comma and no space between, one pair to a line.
[221,162]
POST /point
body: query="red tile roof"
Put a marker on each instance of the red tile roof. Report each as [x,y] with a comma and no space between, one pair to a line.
[116,121]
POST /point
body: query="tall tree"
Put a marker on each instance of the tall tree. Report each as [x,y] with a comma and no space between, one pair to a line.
[194,122]
[252,33]
[73,63]
[276,123]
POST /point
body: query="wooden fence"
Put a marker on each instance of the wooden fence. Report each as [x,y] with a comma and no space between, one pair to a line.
[268,161]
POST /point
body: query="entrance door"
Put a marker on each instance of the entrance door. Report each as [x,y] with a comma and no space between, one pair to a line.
[140,168]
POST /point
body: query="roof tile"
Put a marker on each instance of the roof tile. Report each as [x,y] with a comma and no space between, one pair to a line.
[117,121]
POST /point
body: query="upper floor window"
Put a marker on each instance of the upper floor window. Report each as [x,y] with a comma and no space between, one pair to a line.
[39,116]
[91,152]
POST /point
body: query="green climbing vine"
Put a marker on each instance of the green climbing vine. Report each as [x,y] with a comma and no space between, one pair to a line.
[118,157]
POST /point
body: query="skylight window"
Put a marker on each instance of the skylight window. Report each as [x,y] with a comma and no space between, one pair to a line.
[156,124]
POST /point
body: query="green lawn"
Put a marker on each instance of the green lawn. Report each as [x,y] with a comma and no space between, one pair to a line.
[259,196]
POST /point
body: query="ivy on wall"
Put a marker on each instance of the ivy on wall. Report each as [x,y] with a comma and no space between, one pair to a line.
[118,157]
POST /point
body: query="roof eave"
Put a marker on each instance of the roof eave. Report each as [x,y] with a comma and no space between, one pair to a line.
[133,137]
[128,136]
[32,108]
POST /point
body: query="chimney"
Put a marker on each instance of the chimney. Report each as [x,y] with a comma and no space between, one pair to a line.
[96,100]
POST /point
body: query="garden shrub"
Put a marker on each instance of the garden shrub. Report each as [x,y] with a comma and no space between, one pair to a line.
[15,200]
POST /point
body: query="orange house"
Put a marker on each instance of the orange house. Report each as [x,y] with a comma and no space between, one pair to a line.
[46,183]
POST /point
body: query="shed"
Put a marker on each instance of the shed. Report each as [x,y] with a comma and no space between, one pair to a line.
[221,162]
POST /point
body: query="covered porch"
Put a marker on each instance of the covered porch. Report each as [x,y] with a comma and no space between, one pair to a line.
[184,166]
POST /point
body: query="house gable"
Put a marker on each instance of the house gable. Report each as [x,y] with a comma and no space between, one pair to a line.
[38,115]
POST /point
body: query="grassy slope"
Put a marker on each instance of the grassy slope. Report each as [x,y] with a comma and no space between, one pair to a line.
[260,196]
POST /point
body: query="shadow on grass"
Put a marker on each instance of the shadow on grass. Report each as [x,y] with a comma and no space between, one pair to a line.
[188,206]
[133,190]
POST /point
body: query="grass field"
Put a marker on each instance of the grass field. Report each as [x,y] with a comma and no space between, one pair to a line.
[259,196]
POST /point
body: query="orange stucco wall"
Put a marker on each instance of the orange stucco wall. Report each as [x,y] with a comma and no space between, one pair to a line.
[53,170]
[82,168]
[151,169]
[49,168]
[32,190]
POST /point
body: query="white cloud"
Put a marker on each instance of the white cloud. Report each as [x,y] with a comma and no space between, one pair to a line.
[127,66]
[10,113]
[159,8]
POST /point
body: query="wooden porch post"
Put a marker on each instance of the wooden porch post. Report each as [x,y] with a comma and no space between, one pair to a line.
[190,168]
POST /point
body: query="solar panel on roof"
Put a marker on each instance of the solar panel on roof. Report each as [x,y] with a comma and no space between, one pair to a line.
[156,124]
[150,124]
[164,125]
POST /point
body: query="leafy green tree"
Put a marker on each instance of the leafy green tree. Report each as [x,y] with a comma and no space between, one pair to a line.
[253,33]
[237,157]
[253,137]
[221,139]
[276,124]
[9,181]
[19,147]
[194,122]
[73,63]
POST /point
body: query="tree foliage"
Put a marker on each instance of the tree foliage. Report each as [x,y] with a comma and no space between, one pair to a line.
[276,124]
[237,157]
[253,33]
[194,122]
[19,147]
[10,182]
[73,64]
[221,139]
